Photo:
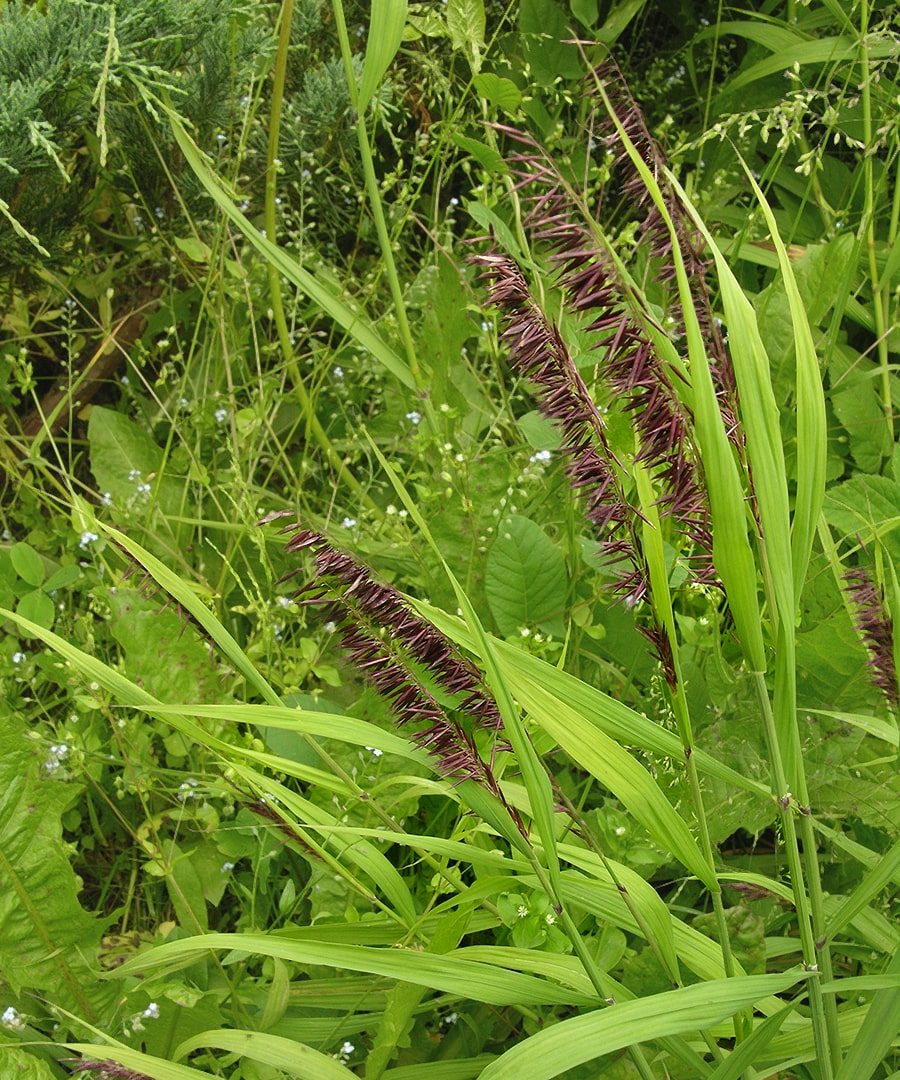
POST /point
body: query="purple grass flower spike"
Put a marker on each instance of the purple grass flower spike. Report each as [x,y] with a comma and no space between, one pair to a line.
[876,628]
[398,652]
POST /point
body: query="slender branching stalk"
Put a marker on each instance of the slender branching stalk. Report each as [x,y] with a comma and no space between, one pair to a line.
[313,424]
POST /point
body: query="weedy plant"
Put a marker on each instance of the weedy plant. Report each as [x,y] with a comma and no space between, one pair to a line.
[443,888]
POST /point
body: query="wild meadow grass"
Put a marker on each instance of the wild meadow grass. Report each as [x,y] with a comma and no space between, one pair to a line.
[454,634]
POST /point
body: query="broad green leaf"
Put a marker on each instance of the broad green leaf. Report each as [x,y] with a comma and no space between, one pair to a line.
[18,1064]
[465,23]
[573,1042]
[48,943]
[585,11]
[290,1057]
[37,607]
[487,157]
[476,982]
[525,577]
[124,456]
[386,23]
[618,20]
[501,92]
[27,563]
[867,508]
[356,324]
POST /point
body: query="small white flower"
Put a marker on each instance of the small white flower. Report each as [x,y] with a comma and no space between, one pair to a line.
[151,1012]
[414,417]
[11,1019]
[374,751]
[347,1048]
[348,523]
[542,456]
[337,371]
[226,867]
[123,379]
[18,658]
[522,912]
[221,415]
[107,498]
[549,918]
[285,601]
[87,538]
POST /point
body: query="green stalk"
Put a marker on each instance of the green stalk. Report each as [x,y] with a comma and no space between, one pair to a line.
[372,190]
[880,298]
[314,427]
[785,801]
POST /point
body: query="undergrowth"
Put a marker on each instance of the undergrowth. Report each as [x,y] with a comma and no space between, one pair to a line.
[448,576]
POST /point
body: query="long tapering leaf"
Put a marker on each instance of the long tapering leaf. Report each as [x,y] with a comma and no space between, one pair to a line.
[448,974]
[584,1038]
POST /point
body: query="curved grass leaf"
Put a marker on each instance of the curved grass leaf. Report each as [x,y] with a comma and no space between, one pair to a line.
[597,709]
[618,771]
[290,1057]
[584,1038]
[142,1064]
[475,982]
[386,25]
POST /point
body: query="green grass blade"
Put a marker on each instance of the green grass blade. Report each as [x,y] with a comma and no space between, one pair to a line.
[599,710]
[173,585]
[307,721]
[358,326]
[293,1058]
[584,1038]
[447,973]
[386,24]
[617,770]
[812,434]
[872,884]
[140,1064]
[732,552]
[741,1059]
[876,1034]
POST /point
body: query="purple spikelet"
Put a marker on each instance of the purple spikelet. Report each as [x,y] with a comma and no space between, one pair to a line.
[540,354]
[388,644]
[876,628]
[108,1070]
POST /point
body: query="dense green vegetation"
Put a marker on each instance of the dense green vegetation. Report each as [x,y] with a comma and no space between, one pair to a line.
[449,551]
